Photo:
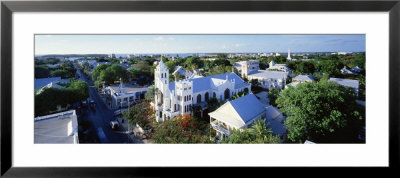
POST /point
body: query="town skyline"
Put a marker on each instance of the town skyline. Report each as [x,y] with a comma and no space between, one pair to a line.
[176,44]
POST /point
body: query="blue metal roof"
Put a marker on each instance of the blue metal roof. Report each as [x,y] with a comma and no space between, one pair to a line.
[40,82]
[248,107]
[204,83]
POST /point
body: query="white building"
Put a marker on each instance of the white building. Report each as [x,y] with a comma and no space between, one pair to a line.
[278,67]
[57,128]
[301,79]
[236,114]
[344,70]
[267,79]
[347,83]
[249,65]
[177,98]
[124,95]
[288,57]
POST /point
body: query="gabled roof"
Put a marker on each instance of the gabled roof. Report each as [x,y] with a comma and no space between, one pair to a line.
[41,82]
[239,112]
[303,78]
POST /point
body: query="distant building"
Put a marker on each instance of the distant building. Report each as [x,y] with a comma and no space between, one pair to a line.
[346,71]
[288,57]
[247,66]
[267,79]
[124,95]
[347,83]
[56,128]
[357,69]
[301,79]
[278,67]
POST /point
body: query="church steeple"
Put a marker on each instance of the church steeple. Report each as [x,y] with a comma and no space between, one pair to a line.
[288,58]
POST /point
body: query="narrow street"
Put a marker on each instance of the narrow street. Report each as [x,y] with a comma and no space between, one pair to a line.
[100,117]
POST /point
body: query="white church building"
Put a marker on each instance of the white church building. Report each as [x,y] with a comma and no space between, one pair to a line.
[177,98]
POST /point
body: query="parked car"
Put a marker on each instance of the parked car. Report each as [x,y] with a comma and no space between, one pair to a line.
[92,104]
[117,112]
[84,104]
[114,125]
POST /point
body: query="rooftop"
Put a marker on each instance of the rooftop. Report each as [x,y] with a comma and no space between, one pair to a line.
[41,82]
[204,83]
[57,128]
[129,88]
[303,78]
[239,112]
[346,82]
[268,74]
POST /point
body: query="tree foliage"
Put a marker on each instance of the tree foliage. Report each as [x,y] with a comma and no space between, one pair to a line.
[109,73]
[319,111]
[258,133]
[180,129]
[140,114]
[49,99]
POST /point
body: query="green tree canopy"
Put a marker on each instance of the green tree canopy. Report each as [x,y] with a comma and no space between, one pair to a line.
[331,67]
[42,71]
[112,73]
[79,90]
[258,133]
[320,112]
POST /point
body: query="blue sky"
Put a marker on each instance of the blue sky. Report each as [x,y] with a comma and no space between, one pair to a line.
[106,44]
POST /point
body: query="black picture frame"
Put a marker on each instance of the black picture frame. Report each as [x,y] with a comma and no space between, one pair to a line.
[8,7]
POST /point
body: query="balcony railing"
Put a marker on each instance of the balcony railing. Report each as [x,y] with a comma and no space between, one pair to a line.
[220,128]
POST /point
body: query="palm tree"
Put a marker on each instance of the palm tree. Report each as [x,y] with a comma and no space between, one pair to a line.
[259,129]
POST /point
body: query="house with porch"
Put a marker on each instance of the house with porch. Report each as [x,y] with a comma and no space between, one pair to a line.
[236,114]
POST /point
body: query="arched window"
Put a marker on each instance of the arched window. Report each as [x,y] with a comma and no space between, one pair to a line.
[198,98]
[214,95]
[227,94]
[206,97]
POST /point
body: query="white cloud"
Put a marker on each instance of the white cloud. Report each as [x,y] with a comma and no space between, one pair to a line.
[224,47]
[159,38]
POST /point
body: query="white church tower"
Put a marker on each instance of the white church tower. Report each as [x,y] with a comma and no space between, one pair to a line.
[161,82]
[288,57]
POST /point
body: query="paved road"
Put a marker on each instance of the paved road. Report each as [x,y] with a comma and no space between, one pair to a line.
[101,117]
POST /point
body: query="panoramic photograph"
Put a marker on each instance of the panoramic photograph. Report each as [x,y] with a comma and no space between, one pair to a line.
[205,89]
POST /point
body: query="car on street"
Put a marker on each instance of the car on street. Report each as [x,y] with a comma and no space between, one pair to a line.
[92,104]
[114,125]
[117,112]
[84,104]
